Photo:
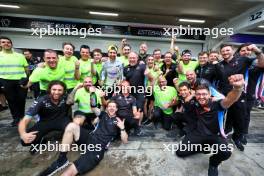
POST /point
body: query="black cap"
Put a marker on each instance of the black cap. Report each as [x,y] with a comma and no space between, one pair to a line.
[186,51]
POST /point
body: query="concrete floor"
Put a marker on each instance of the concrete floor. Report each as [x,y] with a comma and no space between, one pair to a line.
[141,156]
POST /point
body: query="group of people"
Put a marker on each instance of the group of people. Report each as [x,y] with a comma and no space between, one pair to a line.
[116,96]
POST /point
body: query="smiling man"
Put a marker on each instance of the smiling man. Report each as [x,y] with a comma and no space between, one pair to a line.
[108,128]
[51,71]
[13,68]
[236,115]
[206,129]
[52,110]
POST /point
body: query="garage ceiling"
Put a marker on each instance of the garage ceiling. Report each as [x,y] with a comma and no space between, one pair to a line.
[165,12]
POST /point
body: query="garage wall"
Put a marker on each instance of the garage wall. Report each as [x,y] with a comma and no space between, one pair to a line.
[25,40]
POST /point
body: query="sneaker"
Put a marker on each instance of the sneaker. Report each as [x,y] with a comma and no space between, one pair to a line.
[239,145]
[243,140]
[55,167]
[212,171]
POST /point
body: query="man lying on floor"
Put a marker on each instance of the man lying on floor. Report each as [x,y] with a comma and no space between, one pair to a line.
[107,129]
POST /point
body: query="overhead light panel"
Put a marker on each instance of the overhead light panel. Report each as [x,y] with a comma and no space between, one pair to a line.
[191,20]
[9,6]
[261,26]
[103,13]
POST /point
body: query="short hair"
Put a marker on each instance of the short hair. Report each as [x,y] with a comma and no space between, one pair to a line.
[186,84]
[26,50]
[97,50]
[149,57]
[213,51]
[203,53]
[155,50]
[50,51]
[143,43]
[134,53]
[202,86]
[56,82]
[168,52]
[84,47]
[242,46]
[68,43]
[6,38]
[126,45]
[112,101]
[225,45]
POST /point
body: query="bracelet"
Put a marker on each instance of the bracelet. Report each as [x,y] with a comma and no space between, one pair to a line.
[122,129]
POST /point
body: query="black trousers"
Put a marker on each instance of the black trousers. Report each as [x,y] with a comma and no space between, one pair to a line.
[236,117]
[44,127]
[160,116]
[250,104]
[220,154]
[15,96]
[36,90]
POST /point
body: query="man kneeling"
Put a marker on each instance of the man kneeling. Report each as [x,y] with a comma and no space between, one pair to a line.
[206,130]
[107,129]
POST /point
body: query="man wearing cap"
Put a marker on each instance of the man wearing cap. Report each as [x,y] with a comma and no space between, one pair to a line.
[186,64]
[13,68]
[112,72]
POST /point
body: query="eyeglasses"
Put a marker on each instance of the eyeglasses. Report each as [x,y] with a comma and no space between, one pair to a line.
[201,94]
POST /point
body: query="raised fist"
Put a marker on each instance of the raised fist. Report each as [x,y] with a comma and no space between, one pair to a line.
[237,80]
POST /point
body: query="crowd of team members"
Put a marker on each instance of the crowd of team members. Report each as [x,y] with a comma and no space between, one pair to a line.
[116,96]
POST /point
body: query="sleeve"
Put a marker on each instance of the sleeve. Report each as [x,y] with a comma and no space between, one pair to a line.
[76,96]
[155,89]
[174,93]
[218,105]
[24,61]
[103,72]
[125,73]
[249,61]
[134,103]
[36,75]
[121,73]
[102,114]
[34,108]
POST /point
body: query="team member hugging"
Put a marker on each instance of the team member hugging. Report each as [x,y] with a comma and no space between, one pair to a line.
[52,110]
[108,128]
[206,129]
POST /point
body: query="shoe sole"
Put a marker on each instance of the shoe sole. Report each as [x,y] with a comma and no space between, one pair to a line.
[60,168]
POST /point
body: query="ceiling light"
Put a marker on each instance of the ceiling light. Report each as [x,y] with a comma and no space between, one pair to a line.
[262,26]
[9,6]
[191,20]
[103,13]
